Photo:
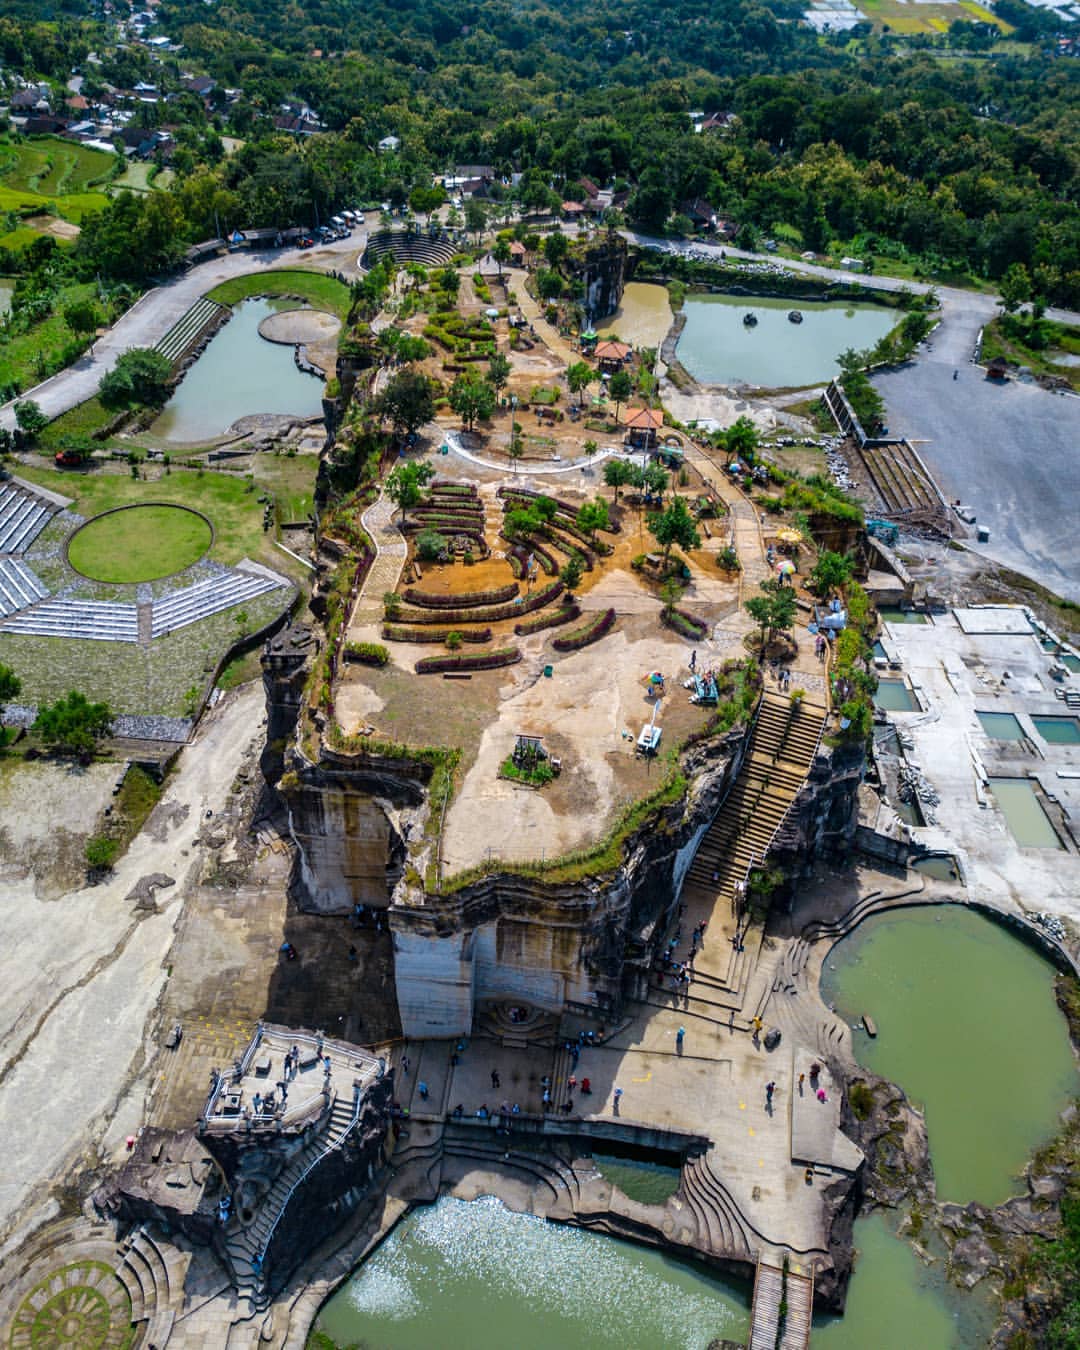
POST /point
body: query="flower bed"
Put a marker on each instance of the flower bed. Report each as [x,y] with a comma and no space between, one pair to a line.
[565,615]
[367,653]
[468,661]
[571,547]
[685,624]
[396,632]
[597,627]
[459,489]
[489,614]
[467,600]
[543,557]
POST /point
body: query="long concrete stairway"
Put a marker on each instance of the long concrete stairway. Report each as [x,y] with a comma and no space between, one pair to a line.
[188,330]
[783,1303]
[247,1246]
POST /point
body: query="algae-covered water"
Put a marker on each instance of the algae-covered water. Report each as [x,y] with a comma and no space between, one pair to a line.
[239,373]
[968,1027]
[476,1275]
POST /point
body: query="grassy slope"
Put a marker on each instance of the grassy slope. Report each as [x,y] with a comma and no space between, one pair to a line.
[322,291]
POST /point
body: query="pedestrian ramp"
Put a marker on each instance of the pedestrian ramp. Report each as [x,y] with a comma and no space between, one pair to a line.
[782,1309]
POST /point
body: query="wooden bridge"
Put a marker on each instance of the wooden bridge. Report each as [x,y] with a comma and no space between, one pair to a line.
[783,1305]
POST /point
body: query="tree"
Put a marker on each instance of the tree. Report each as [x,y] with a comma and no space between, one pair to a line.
[655,479]
[674,526]
[30,418]
[571,573]
[833,571]
[556,247]
[430,545]
[620,473]
[773,610]
[405,482]
[620,387]
[593,516]
[1015,287]
[498,371]
[475,217]
[501,253]
[81,316]
[448,281]
[140,375]
[472,398]
[73,725]
[579,376]
[408,401]
[10,684]
[741,439]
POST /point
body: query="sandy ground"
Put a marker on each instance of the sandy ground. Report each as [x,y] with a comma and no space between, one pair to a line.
[80,976]
[290,326]
[713,407]
[48,810]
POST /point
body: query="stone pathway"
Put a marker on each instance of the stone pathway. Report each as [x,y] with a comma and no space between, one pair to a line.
[385,572]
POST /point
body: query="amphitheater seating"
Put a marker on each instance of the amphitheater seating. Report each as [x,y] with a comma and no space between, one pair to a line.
[23,515]
[19,587]
[432,251]
[99,620]
[207,598]
[188,329]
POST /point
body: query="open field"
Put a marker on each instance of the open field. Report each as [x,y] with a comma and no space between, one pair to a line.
[316,287]
[51,166]
[899,17]
[139,544]
[26,358]
[141,176]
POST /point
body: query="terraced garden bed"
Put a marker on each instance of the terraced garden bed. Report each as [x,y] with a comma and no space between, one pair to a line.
[599,626]
[468,661]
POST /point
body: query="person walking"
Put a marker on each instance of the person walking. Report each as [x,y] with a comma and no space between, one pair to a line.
[770,1088]
[422,1088]
[617,1097]
[680,1036]
[495,1078]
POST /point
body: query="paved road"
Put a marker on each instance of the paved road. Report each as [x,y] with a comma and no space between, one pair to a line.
[151,317]
[1008,452]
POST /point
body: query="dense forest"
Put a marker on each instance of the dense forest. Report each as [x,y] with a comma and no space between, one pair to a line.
[962,153]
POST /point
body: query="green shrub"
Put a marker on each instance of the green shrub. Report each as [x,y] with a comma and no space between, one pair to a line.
[367,653]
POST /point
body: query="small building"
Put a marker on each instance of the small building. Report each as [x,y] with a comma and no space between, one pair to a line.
[851,264]
[612,356]
[389,145]
[643,427]
[573,210]
[518,252]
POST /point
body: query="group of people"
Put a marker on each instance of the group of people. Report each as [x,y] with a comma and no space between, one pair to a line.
[680,973]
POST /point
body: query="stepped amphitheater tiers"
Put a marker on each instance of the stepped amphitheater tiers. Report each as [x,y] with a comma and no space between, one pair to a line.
[433,250]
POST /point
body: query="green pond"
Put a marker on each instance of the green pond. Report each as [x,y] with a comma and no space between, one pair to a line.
[239,373]
[968,1027]
[1001,726]
[1058,730]
[648,1183]
[1029,823]
[716,346]
[476,1275]
[894,614]
[895,696]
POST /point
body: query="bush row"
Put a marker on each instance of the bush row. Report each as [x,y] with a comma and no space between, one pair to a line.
[684,623]
[367,653]
[458,489]
[525,495]
[396,632]
[597,627]
[499,656]
[530,545]
[551,620]
[467,600]
[444,525]
[490,614]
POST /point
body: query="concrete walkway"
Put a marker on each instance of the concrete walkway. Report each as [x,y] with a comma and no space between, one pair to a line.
[385,572]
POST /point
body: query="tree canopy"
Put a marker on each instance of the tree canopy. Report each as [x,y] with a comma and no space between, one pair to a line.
[674,525]
[73,725]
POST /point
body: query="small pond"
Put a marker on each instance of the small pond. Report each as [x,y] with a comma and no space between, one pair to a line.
[1029,823]
[716,346]
[459,1274]
[969,1028]
[237,375]
[895,696]
[643,317]
[1058,730]
[894,614]
[1001,726]
[938,866]
[647,1183]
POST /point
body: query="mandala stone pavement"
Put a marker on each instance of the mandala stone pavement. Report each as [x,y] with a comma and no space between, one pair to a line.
[81,1306]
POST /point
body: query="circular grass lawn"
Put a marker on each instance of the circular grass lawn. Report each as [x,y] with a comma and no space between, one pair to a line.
[139,543]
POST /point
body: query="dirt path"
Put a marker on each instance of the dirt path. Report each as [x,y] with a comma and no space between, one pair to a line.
[74,1036]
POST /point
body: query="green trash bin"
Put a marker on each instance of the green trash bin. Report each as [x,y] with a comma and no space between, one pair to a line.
[547,671]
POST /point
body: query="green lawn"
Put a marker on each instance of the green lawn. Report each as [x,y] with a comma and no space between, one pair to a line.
[229,501]
[322,291]
[140,544]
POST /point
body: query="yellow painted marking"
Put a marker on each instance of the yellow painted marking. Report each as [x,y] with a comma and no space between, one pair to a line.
[742,1106]
[646,1079]
[753,1132]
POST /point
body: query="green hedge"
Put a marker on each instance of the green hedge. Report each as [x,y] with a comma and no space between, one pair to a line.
[396,632]
[489,614]
[367,653]
[468,661]
[467,600]
[565,615]
[597,627]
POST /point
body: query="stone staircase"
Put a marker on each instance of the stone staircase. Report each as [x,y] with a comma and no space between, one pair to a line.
[246,1245]
[432,251]
[539,1029]
[784,743]
[144,1271]
[721,1229]
[188,330]
[385,572]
